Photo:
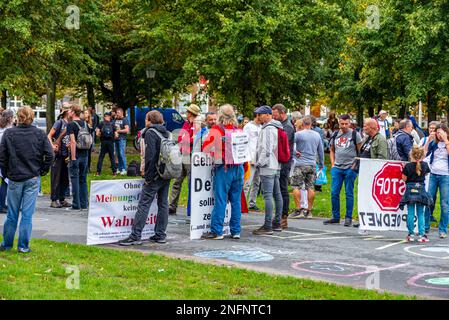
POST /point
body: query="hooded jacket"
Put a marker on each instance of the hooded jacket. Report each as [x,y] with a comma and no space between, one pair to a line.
[152,151]
[267,149]
[404,144]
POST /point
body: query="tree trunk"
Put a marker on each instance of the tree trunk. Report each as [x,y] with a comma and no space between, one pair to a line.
[371,111]
[360,116]
[51,101]
[4,99]
[90,94]
[381,103]
[117,94]
[402,111]
[431,106]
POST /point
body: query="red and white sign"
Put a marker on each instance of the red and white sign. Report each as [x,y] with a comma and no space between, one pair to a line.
[380,190]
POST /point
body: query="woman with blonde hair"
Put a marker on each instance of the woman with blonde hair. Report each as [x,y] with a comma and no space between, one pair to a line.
[228,176]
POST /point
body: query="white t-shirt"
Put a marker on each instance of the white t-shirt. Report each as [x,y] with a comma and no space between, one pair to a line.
[440,159]
[253,131]
[383,127]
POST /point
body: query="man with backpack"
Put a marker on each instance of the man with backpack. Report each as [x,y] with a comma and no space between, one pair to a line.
[158,172]
[403,141]
[345,146]
[106,132]
[80,143]
[269,169]
[280,114]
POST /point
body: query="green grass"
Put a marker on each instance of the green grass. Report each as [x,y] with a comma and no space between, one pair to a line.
[113,274]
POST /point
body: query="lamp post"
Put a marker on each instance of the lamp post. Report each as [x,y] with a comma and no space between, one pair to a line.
[150,76]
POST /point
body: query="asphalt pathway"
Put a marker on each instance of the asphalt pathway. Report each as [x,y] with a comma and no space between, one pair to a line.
[308,249]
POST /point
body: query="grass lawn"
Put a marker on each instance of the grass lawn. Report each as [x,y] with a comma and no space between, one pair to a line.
[112,274]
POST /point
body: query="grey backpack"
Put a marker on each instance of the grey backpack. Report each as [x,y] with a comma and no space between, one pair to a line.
[84,140]
[170,156]
[393,153]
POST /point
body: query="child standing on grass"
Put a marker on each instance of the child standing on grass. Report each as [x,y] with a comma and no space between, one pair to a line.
[416,196]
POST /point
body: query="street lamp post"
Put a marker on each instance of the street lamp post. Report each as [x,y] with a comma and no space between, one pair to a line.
[150,76]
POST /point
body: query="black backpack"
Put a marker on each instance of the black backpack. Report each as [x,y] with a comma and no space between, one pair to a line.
[107,131]
[133,169]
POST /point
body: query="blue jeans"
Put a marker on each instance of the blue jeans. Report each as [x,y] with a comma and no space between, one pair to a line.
[411,218]
[271,189]
[439,182]
[120,149]
[78,177]
[228,185]
[21,197]
[339,176]
[3,193]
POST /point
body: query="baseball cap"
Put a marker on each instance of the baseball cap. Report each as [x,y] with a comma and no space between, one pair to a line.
[264,110]
[382,112]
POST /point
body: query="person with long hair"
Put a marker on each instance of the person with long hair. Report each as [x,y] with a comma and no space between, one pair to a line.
[415,196]
[228,176]
[437,148]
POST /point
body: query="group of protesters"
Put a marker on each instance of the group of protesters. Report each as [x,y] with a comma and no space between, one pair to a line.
[283,151]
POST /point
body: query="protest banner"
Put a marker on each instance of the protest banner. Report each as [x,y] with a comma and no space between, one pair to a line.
[202,196]
[112,207]
[380,190]
[240,147]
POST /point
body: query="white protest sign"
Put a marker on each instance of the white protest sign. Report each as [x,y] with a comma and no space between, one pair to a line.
[380,190]
[240,147]
[112,207]
[202,197]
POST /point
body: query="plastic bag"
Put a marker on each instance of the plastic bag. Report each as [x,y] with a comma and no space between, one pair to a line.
[321,176]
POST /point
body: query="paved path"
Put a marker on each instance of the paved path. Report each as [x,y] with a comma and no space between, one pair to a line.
[307,249]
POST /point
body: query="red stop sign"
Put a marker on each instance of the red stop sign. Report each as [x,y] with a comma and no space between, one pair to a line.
[388,186]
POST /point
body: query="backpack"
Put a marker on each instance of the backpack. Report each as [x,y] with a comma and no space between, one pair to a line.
[133,169]
[284,155]
[169,156]
[393,153]
[84,139]
[107,131]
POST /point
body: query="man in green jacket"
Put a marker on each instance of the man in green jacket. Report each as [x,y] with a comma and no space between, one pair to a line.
[374,145]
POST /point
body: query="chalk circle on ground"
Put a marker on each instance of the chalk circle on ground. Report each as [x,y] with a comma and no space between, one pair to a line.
[234,255]
[435,251]
[432,280]
[330,268]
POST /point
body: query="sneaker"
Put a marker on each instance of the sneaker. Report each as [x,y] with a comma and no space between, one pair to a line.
[253,208]
[158,240]
[348,222]
[331,221]
[443,235]
[276,227]
[129,242]
[65,204]
[297,214]
[172,212]
[307,214]
[284,222]
[235,236]
[73,209]
[410,238]
[55,204]
[423,239]
[262,231]
[23,250]
[212,236]
[123,173]
[356,224]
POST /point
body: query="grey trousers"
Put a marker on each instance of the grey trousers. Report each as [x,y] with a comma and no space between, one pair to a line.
[149,191]
[177,185]
[252,186]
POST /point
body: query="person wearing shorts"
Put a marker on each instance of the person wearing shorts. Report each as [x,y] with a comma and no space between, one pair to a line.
[309,147]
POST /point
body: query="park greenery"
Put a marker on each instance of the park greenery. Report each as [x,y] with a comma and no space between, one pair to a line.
[359,55]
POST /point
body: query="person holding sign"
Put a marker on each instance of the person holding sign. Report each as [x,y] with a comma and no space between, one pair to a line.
[227,173]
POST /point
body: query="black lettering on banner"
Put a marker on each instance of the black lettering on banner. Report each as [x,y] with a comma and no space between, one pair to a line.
[362,217]
[386,220]
[198,185]
[371,221]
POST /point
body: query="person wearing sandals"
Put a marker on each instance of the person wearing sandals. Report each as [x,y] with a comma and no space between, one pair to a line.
[416,197]
[309,147]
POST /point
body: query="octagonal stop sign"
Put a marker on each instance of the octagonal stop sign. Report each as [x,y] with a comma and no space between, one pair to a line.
[388,186]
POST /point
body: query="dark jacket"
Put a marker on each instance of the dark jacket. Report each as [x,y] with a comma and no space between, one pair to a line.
[290,131]
[152,150]
[25,153]
[404,144]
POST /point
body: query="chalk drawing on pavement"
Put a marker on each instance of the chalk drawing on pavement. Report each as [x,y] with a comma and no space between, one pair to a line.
[432,280]
[238,256]
[436,252]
